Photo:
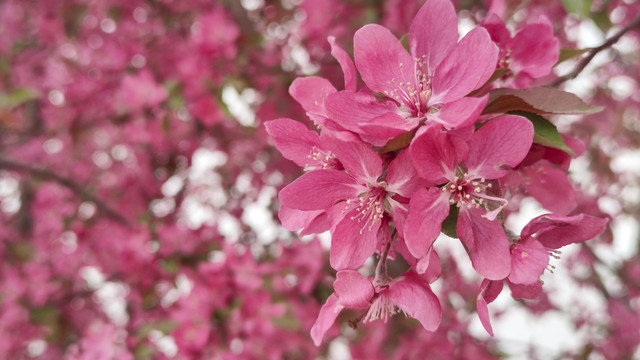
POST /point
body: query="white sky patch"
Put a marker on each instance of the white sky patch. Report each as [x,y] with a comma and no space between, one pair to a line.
[165,344]
[259,217]
[301,58]
[206,195]
[9,195]
[111,295]
[240,105]
[465,24]
[339,349]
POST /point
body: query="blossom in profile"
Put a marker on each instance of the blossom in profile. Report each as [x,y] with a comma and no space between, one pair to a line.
[380,299]
[529,55]
[539,240]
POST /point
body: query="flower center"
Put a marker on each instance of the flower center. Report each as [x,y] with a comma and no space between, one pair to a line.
[470,191]
[413,95]
[369,207]
[319,159]
[382,308]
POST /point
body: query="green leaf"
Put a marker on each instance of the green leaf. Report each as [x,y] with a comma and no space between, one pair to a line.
[450,223]
[405,42]
[545,133]
[17,98]
[500,72]
[537,100]
[398,142]
[566,54]
[580,8]
[286,322]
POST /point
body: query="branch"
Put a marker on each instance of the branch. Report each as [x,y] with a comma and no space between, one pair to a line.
[382,277]
[46,174]
[593,52]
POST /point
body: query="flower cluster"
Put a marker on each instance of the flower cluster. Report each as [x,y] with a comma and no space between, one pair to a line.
[422,148]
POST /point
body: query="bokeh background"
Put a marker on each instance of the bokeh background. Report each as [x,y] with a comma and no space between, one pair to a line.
[138,187]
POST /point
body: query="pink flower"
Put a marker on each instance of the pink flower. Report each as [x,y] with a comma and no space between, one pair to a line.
[461,173]
[530,54]
[430,83]
[357,201]
[530,253]
[543,175]
[382,299]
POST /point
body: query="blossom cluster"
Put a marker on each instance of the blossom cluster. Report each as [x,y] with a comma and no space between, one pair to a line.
[440,137]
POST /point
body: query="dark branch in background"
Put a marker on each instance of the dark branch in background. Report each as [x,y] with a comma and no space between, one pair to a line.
[49,175]
[593,52]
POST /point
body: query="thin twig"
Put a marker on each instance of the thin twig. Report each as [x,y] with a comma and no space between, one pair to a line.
[382,276]
[46,174]
[593,52]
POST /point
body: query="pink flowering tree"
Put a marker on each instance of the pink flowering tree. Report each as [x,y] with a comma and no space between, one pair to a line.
[319,179]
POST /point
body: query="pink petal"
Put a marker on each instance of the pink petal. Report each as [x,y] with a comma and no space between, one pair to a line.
[384,128]
[497,30]
[467,67]
[433,155]
[535,50]
[460,113]
[310,92]
[366,114]
[489,291]
[555,231]
[486,243]
[358,159]
[352,242]
[353,290]
[294,220]
[550,186]
[416,299]
[381,59]
[427,211]
[401,176]
[434,32]
[328,314]
[528,261]
[429,266]
[499,145]
[348,68]
[528,291]
[318,225]
[292,139]
[318,190]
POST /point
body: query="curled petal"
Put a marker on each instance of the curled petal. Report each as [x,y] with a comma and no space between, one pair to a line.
[353,290]
[328,314]
[415,298]
[348,68]
[460,113]
[489,291]
[310,92]
[292,139]
[528,261]
[555,231]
